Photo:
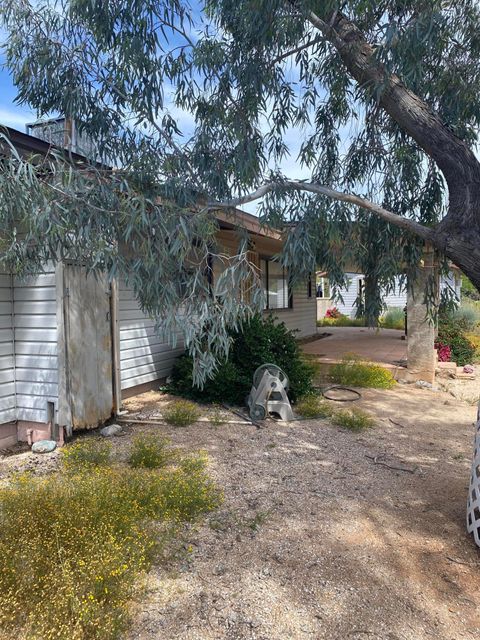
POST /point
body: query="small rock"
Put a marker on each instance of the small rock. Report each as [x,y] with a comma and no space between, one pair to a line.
[220,570]
[44,446]
[111,430]
[423,384]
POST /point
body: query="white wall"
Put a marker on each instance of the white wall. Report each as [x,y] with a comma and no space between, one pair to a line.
[397,298]
[144,356]
[7,364]
[36,360]
[302,317]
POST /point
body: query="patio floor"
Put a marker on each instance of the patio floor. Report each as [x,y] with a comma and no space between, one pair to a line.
[384,346]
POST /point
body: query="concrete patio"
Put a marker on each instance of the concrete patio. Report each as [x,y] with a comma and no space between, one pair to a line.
[384,346]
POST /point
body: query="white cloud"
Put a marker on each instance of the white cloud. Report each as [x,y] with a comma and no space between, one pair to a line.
[16,119]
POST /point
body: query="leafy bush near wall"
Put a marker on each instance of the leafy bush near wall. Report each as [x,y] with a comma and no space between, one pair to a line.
[452,333]
[474,339]
[341,321]
[468,315]
[261,340]
[394,318]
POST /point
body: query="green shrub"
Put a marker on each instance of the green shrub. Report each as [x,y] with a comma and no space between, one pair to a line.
[469,290]
[394,318]
[451,332]
[467,315]
[313,406]
[474,339]
[86,453]
[261,340]
[353,419]
[342,321]
[181,413]
[355,372]
[150,452]
[73,547]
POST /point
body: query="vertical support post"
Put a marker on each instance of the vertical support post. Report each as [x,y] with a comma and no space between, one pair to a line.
[421,355]
[117,392]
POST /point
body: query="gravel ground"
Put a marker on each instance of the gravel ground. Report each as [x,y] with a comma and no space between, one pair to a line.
[324,533]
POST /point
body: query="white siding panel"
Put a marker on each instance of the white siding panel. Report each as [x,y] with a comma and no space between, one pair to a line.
[33,282]
[36,362]
[43,389]
[7,403]
[30,294]
[7,363]
[349,295]
[144,355]
[9,415]
[302,317]
[36,374]
[37,322]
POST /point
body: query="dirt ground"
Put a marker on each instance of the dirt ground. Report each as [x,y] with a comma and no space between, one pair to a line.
[324,533]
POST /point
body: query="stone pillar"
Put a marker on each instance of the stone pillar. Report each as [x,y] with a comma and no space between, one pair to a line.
[421,355]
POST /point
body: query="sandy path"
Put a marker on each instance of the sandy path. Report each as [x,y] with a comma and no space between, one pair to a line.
[317,540]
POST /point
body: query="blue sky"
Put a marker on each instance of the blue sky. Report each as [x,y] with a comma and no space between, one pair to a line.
[11,114]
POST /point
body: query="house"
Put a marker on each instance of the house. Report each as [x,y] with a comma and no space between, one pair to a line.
[356,288]
[73,346]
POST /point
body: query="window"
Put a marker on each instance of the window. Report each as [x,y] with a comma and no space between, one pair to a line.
[275,281]
[323,287]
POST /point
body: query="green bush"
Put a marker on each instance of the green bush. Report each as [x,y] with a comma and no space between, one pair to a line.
[72,548]
[313,406]
[86,453]
[474,339]
[150,452]
[467,315]
[451,332]
[342,321]
[354,372]
[394,318]
[181,413]
[353,419]
[261,340]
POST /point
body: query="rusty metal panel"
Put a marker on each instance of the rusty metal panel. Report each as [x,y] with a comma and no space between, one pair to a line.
[88,347]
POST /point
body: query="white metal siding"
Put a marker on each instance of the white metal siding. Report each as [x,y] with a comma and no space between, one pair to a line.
[7,368]
[349,295]
[397,298]
[302,317]
[144,356]
[36,361]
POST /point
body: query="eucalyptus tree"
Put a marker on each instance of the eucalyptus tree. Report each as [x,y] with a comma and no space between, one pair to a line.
[381,99]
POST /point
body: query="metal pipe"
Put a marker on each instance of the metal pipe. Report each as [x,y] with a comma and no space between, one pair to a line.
[117,392]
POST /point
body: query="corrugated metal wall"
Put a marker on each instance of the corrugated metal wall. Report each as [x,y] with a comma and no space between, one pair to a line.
[36,361]
[144,357]
[7,368]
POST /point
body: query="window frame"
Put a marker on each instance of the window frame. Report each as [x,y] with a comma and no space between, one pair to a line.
[265,280]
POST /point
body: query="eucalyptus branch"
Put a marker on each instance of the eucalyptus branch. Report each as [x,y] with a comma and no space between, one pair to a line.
[404,223]
[300,47]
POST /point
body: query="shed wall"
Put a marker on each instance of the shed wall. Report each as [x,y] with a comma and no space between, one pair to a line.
[7,363]
[144,356]
[36,349]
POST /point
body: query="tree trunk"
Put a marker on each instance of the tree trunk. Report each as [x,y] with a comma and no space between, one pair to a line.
[461,244]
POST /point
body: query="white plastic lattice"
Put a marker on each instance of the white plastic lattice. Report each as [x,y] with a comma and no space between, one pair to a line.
[473,502]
